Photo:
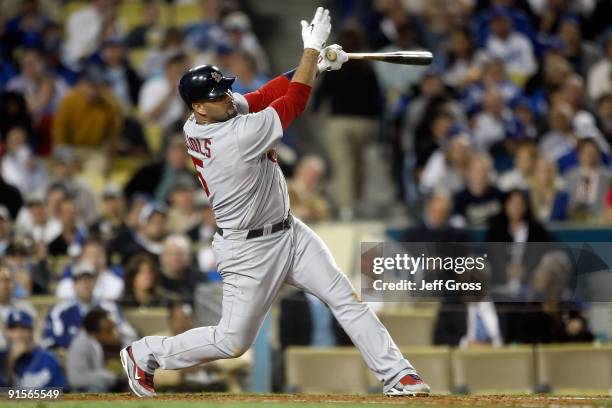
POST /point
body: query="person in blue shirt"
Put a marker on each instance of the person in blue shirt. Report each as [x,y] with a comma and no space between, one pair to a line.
[65,318]
[27,365]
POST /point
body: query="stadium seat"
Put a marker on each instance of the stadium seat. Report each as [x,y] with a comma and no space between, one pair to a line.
[325,370]
[434,365]
[148,321]
[492,370]
[153,134]
[181,14]
[412,327]
[572,367]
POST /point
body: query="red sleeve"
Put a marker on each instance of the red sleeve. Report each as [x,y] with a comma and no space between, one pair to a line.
[260,99]
[292,104]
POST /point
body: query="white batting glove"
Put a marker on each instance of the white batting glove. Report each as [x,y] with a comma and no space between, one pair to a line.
[315,34]
[325,64]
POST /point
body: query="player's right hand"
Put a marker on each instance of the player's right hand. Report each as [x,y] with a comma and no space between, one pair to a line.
[315,34]
[325,64]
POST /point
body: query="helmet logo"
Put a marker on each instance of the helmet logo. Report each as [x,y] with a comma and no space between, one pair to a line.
[216,76]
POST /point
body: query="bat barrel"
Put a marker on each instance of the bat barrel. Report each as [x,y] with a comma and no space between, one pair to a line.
[423,58]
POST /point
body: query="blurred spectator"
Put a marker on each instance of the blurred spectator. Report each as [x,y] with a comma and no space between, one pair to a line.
[480,200]
[526,117]
[207,33]
[494,123]
[306,321]
[113,212]
[578,51]
[29,266]
[26,364]
[548,198]
[201,236]
[72,238]
[26,27]
[351,127]
[14,113]
[89,119]
[546,317]
[471,324]
[392,78]
[434,225]
[171,44]
[559,140]
[147,236]
[493,76]
[34,220]
[307,202]
[85,362]
[8,301]
[159,101]
[510,46]
[583,122]
[448,166]
[86,29]
[109,285]
[178,278]
[524,163]
[588,184]
[5,229]
[242,65]
[554,70]
[157,178]
[121,78]
[19,165]
[10,197]
[515,222]
[435,125]
[42,89]
[7,70]
[599,81]
[182,212]
[463,60]
[141,282]
[66,169]
[238,35]
[65,318]
[149,31]
[136,203]
[604,114]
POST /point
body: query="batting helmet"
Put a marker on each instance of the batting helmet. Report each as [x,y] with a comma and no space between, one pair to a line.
[203,83]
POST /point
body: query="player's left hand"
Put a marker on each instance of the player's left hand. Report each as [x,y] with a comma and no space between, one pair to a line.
[325,64]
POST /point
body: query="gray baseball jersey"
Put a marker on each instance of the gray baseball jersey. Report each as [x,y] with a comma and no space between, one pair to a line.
[245,185]
[248,191]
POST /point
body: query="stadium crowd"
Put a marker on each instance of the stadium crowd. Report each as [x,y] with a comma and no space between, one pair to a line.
[509,130]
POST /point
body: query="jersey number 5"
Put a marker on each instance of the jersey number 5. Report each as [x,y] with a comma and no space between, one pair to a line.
[199,166]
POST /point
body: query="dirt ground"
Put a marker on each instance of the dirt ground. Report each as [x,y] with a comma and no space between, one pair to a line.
[434,400]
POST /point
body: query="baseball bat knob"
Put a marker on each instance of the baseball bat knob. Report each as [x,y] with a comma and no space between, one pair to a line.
[331,55]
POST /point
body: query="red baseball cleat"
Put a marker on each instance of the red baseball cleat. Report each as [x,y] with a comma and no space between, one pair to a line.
[410,385]
[140,381]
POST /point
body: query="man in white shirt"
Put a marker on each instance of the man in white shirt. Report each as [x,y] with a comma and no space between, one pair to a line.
[159,100]
[86,28]
[510,46]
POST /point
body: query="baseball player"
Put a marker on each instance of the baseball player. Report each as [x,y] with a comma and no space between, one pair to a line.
[259,245]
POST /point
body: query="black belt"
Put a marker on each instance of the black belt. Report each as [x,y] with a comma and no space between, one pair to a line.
[256,233]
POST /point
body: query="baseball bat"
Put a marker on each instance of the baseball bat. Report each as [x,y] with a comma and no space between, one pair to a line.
[397,57]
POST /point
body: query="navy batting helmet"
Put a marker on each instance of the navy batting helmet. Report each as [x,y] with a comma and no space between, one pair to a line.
[203,83]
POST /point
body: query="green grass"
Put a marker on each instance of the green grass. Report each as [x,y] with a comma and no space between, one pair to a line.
[189,404]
